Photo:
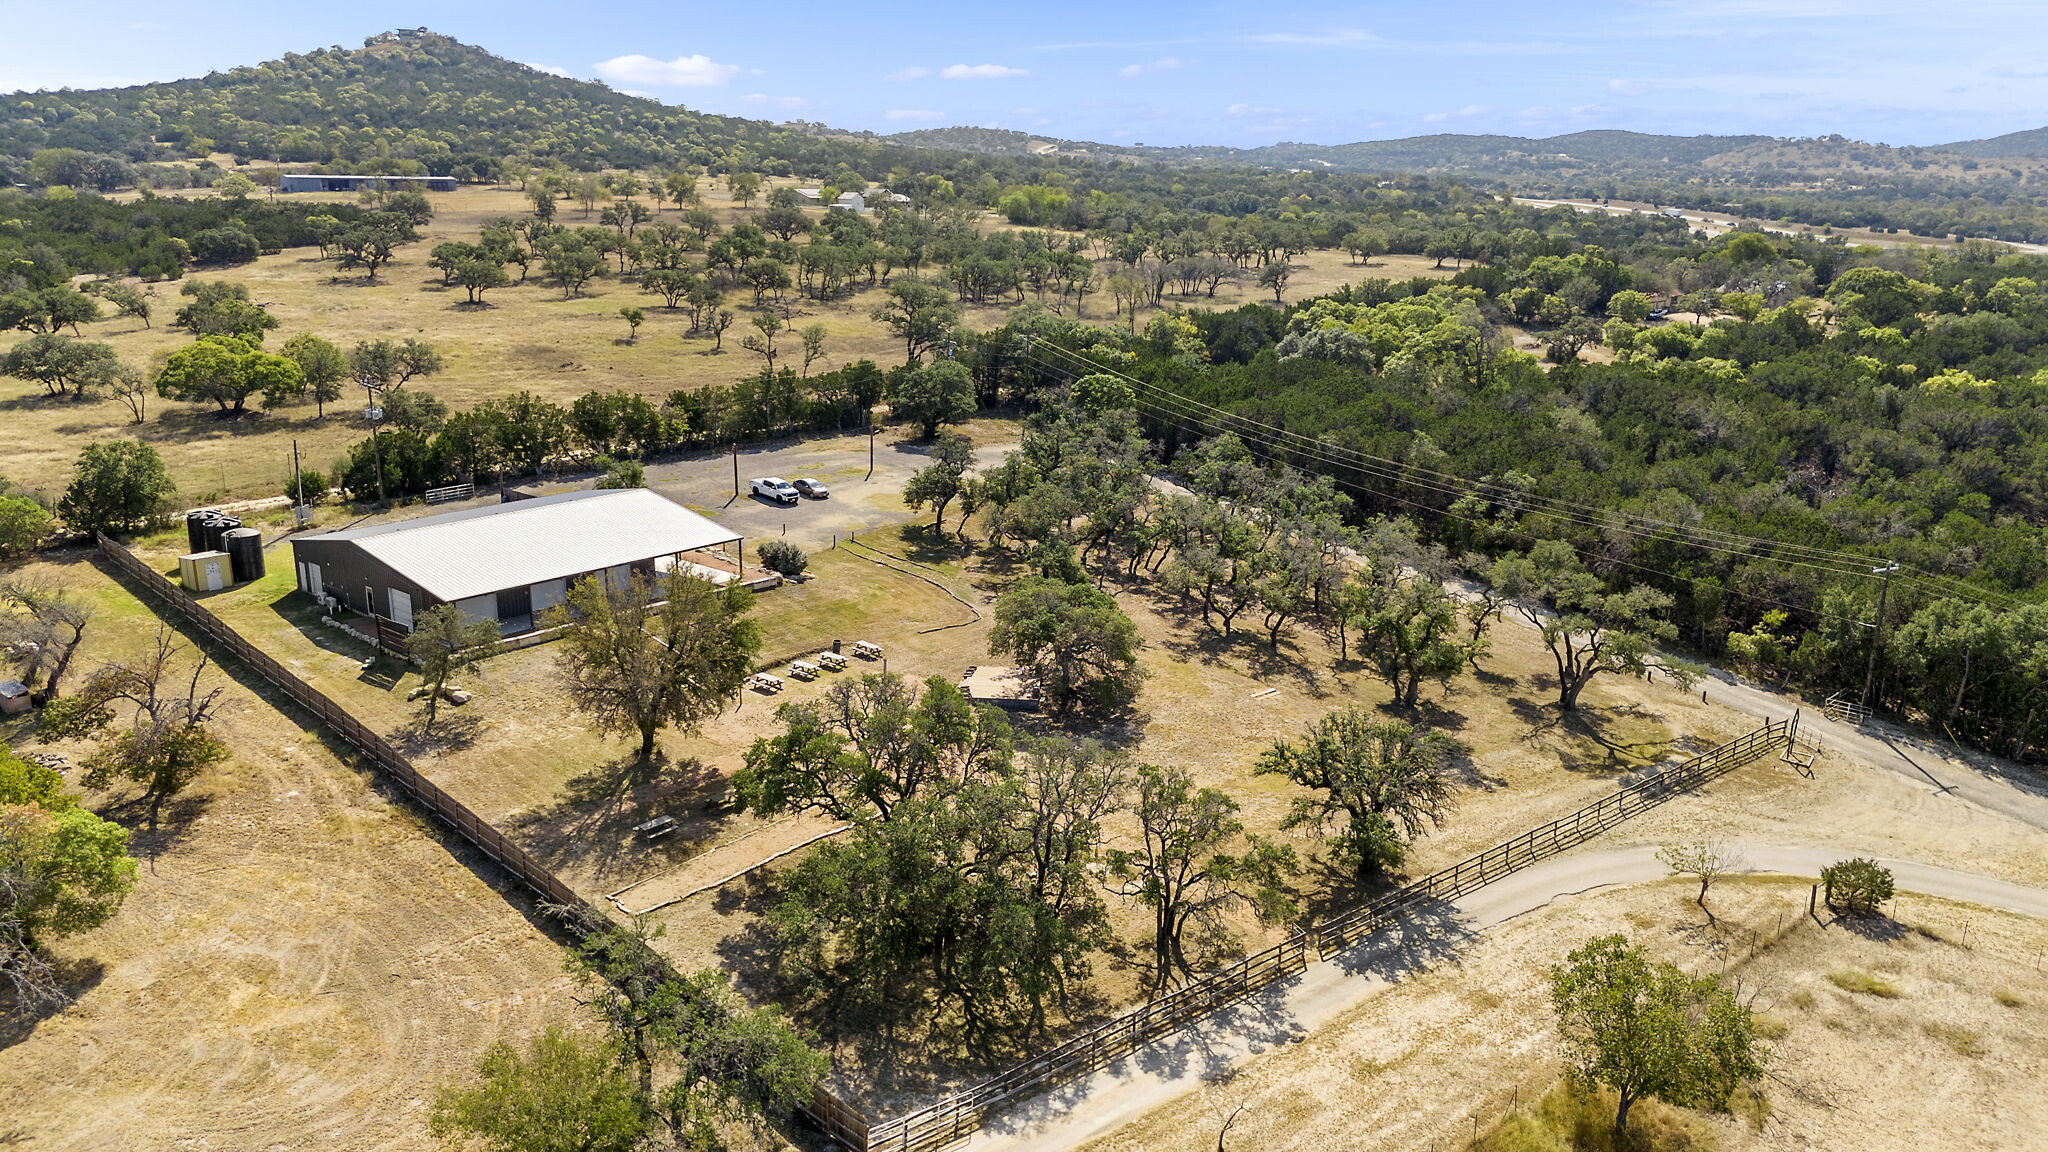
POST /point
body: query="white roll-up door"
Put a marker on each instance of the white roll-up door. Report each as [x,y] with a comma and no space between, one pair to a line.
[479,608]
[547,594]
[400,602]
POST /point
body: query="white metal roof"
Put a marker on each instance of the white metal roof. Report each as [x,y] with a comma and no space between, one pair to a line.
[457,555]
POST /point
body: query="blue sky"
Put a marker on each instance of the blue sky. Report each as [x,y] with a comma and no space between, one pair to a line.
[1898,71]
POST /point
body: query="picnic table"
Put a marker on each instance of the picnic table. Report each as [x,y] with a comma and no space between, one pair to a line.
[763,682]
[803,669]
[832,661]
[656,828]
[867,651]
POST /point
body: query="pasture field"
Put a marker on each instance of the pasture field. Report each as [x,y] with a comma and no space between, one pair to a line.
[528,338]
[1461,1055]
[301,962]
[521,758]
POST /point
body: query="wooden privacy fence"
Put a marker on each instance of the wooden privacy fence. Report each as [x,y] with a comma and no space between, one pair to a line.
[1342,931]
[836,1117]
[964,1112]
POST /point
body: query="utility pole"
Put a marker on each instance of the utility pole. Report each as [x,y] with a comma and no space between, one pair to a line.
[735,470]
[298,486]
[871,444]
[374,412]
[1884,588]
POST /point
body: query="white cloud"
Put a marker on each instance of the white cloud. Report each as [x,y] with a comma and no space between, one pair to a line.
[1163,64]
[1628,87]
[914,72]
[1332,36]
[777,101]
[1250,110]
[551,70]
[980,72]
[912,114]
[698,71]
[1467,110]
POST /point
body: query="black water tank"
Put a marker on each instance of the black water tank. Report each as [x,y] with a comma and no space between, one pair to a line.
[216,527]
[195,530]
[244,547]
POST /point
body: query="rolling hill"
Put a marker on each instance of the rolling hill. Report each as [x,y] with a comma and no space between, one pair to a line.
[2032,142]
[415,96]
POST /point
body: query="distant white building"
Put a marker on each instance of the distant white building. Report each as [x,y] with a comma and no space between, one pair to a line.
[850,201]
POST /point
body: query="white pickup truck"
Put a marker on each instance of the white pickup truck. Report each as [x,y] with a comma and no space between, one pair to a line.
[774,488]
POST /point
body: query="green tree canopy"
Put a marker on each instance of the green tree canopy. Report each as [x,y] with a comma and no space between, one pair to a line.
[564,1093]
[639,667]
[929,395]
[1649,1031]
[116,486]
[1387,781]
[64,366]
[227,370]
[1073,644]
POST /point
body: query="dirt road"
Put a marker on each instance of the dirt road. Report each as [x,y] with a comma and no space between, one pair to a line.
[1079,1112]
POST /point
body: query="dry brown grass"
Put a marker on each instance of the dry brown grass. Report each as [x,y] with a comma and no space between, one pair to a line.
[1948,1067]
[1210,705]
[299,964]
[528,338]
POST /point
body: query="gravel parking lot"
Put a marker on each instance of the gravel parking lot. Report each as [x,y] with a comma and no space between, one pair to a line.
[703,482]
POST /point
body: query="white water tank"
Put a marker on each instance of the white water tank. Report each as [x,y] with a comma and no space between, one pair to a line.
[204,571]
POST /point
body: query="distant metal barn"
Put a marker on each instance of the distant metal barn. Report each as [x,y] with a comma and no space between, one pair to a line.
[510,562]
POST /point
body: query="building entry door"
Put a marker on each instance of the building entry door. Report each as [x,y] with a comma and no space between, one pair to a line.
[515,609]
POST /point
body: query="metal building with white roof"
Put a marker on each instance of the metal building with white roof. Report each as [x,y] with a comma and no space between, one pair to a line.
[510,562]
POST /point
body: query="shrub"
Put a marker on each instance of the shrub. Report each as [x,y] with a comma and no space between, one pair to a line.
[224,246]
[783,558]
[1864,984]
[311,481]
[1858,887]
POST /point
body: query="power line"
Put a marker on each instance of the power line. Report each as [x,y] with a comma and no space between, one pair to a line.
[1330,454]
[1416,475]
[1532,538]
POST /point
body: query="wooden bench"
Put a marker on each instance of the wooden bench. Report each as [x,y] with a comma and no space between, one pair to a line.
[656,828]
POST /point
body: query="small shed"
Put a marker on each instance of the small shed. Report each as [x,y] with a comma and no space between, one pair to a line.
[14,697]
[1006,688]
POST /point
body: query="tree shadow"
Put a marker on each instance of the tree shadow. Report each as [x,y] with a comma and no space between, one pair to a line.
[382,671]
[34,400]
[1876,927]
[1194,642]
[921,545]
[453,732]
[176,819]
[590,824]
[17,1023]
[1492,679]
[1422,935]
